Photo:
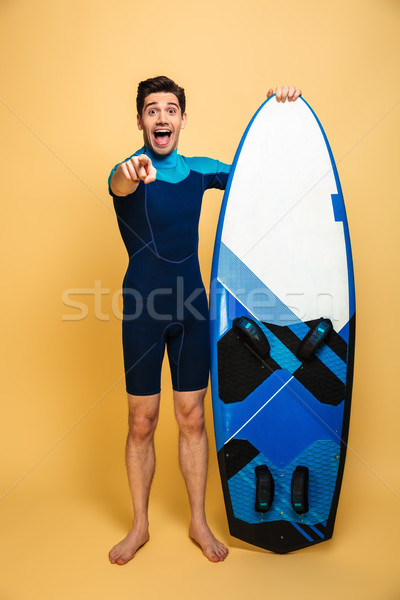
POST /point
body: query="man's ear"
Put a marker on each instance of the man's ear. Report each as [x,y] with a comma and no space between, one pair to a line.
[184,120]
[139,122]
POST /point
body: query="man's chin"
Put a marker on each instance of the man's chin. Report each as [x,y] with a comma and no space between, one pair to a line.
[162,150]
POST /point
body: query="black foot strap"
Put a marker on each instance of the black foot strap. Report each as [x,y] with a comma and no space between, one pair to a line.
[300,490]
[314,338]
[252,334]
[264,489]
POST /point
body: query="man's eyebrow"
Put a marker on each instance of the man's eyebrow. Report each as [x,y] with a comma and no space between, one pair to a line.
[168,103]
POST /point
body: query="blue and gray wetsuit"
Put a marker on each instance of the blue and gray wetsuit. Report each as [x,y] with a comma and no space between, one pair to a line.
[163,293]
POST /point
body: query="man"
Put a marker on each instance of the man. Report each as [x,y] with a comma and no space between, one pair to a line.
[157,196]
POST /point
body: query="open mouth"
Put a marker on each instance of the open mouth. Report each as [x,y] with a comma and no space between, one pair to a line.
[162,137]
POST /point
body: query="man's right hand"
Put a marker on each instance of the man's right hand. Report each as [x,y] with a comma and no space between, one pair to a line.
[129,174]
[139,168]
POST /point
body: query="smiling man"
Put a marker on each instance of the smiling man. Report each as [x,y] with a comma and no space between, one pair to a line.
[157,196]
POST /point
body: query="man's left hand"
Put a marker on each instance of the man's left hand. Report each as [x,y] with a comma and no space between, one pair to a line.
[285,92]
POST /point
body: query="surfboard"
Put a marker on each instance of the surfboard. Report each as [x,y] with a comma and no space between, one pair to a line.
[282,319]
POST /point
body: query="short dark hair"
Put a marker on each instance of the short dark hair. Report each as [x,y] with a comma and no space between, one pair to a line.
[159,84]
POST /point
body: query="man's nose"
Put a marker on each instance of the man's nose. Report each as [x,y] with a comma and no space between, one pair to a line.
[162,116]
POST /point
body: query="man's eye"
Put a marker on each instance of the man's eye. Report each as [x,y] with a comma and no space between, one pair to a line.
[172,111]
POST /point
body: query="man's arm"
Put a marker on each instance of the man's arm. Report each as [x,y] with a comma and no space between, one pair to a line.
[128,175]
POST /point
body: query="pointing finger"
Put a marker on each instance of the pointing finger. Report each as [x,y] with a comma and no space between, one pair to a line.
[151,176]
[139,168]
[144,160]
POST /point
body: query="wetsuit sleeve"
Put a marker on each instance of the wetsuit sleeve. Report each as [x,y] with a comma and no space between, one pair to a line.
[219,178]
[215,173]
[110,176]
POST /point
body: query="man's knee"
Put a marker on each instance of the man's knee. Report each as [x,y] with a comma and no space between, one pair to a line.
[190,416]
[143,418]
[142,426]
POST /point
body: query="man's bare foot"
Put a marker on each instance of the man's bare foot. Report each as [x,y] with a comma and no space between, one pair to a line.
[213,549]
[125,550]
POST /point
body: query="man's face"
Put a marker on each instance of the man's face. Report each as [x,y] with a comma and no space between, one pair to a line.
[161,122]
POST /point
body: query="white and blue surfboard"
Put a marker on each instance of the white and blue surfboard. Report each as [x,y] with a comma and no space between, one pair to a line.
[282,314]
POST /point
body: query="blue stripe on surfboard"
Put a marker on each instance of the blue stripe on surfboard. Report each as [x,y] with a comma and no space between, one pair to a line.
[321,535]
[339,211]
[303,533]
[250,291]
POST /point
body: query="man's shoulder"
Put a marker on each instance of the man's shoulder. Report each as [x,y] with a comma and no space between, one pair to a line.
[205,165]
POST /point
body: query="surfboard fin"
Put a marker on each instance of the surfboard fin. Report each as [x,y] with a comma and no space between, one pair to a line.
[314,338]
[253,335]
[264,489]
[300,490]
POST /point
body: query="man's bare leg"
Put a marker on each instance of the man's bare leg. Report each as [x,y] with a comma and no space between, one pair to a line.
[193,458]
[140,463]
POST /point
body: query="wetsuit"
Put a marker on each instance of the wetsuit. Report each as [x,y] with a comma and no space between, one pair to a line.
[163,293]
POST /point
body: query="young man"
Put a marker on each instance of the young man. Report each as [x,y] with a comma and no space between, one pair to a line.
[157,196]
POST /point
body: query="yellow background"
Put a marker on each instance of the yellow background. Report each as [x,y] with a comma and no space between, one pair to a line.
[68,83]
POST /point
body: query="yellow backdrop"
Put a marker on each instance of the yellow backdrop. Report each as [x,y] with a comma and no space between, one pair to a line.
[67,106]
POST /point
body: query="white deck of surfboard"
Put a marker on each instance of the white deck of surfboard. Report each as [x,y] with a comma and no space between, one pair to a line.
[279,219]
